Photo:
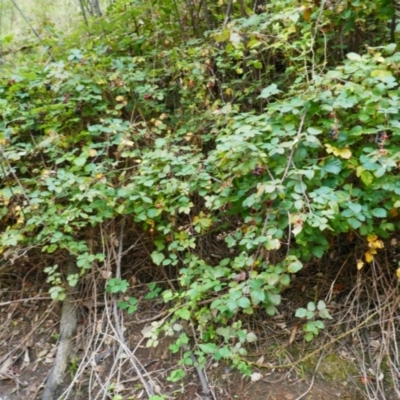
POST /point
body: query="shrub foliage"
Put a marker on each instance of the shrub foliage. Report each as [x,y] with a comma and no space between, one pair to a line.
[237,144]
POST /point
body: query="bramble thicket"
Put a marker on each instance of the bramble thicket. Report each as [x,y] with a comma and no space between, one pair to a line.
[211,149]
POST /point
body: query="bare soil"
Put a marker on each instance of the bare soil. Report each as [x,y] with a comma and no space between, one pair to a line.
[353,358]
[29,341]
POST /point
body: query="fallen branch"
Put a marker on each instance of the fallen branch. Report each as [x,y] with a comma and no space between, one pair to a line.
[6,303]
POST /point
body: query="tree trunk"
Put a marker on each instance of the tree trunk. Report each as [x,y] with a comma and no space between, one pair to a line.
[67,332]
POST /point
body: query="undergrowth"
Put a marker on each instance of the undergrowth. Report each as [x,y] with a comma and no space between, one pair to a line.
[229,156]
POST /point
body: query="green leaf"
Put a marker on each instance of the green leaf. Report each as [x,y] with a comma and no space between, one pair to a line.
[333,166]
[325,314]
[356,208]
[367,178]
[379,212]
[294,266]
[223,352]
[311,306]
[319,324]
[251,337]
[176,375]
[301,313]
[80,161]
[314,131]
[271,310]
[208,347]
[243,302]
[321,305]
[317,251]
[390,48]
[183,313]
[354,223]
[353,56]
[157,257]
[274,298]
[308,336]
[269,91]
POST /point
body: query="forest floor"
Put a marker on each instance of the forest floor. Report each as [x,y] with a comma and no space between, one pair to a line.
[29,352]
[335,365]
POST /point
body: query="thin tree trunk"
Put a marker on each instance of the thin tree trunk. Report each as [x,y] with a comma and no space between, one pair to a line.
[96,8]
[207,15]
[228,13]
[67,332]
[393,23]
[196,31]
[1,30]
[26,19]
[83,12]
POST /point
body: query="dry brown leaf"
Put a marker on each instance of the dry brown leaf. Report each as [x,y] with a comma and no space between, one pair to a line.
[293,334]
[260,361]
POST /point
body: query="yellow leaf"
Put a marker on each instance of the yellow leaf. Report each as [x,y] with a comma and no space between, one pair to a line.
[99,176]
[343,153]
[378,244]
[120,98]
[92,152]
[398,273]
[374,243]
[329,148]
[372,238]
[360,264]
[368,256]
[307,14]
[127,143]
